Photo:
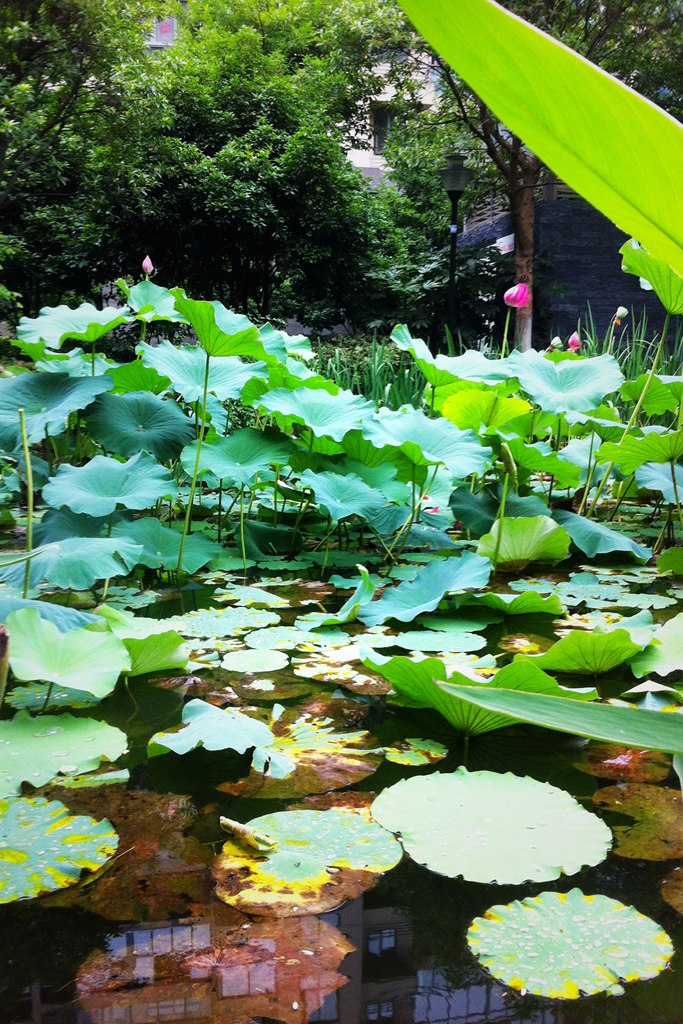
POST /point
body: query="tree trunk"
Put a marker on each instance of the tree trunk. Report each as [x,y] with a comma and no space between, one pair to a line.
[522,210]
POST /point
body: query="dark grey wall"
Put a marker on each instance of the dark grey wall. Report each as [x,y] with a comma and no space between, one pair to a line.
[580,268]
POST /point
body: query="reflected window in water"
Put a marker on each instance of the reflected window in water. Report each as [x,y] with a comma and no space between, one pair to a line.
[383,941]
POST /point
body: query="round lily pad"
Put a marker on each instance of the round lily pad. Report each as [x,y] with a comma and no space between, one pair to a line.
[220,622]
[492,828]
[318,860]
[656,832]
[562,945]
[672,889]
[43,847]
[415,752]
[254,661]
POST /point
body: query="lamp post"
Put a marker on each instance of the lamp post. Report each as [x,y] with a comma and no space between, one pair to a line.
[454,178]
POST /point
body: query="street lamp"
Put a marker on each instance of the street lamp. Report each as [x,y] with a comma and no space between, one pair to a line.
[454,178]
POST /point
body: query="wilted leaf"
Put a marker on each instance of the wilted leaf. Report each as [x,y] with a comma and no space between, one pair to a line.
[415,752]
[624,764]
[657,829]
[672,889]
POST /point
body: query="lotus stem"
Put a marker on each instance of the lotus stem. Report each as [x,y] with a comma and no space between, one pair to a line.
[4,662]
[29,498]
[589,476]
[676,496]
[504,347]
[242,543]
[195,473]
[499,519]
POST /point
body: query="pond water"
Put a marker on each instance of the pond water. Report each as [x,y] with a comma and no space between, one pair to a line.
[148,941]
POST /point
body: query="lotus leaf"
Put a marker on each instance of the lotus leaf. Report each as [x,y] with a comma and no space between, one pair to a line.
[659,398]
[627,726]
[665,654]
[221,622]
[63,618]
[516,542]
[136,377]
[478,512]
[245,596]
[149,302]
[671,561]
[564,945]
[527,603]
[78,659]
[221,332]
[238,458]
[161,545]
[286,638]
[656,832]
[320,859]
[43,847]
[415,753]
[439,370]
[48,399]
[657,476]
[307,755]
[362,595]
[589,653]
[324,414]
[36,750]
[576,385]
[255,661]
[423,594]
[139,422]
[343,496]
[76,563]
[185,367]
[672,889]
[597,539]
[453,640]
[427,442]
[152,646]
[633,452]
[665,282]
[76,364]
[100,486]
[55,324]
[492,828]
[540,458]
[475,410]
[283,345]
[38,698]
[206,726]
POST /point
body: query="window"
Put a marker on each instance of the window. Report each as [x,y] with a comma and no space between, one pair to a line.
[379,1011]
[382,941]
[382,120]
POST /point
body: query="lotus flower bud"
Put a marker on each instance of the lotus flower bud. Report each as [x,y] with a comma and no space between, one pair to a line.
[621,312]
[517,296]
[555,344]
[574,342]
[147,266]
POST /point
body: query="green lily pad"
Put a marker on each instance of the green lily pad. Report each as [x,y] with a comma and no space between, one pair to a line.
[656,832]
[75,564]
[415,753]
[48,399]
[43,847]
[57,324]
[287,638]
[319,859]
[35,697]
[248,595]
[78,659]
[597,539]
[324,414]
[139,422]
[516,542]
[577,385]
[161,545]
[423,594]
[492,828]
[103,484]
[254,661]
[185,367]
[238,458]
[527,603]
[665,654]
[36,750]
[343,495]
[633,452]
[591,654]
[564,945]
[213,728]
[222,622]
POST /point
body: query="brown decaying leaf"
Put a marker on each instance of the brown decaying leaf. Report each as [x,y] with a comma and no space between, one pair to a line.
[624,764]
[234,971]
[657,829]
[672,889]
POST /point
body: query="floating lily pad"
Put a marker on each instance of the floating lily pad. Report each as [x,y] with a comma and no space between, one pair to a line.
[247,596]
[624,764]
[212,728]
[564,945]
[492,828]
[221,622]
[286,638]
[36,750]
[415,752]
[254,661]
[43,847]
[672,889]
[38,697]
[307,755]
[319,859]
[657,829]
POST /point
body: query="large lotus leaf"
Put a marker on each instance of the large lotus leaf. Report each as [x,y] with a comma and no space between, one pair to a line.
[55,324]
[139,422]
[45,848]
[63,524]
[665,654]
[478,512]
[439,370]
[152,646]
[527,603]
[61,617]
[656,832]
[565,945]
[451,640]
[185,366]
[631,727]
[343,496]
[324,414]
[660,397]
[222,622]
[492,828]
[36,750]
[47,399]
[633,452]
[362,595]
[296,345]
[76,363]
[75,564]
[585,653]
[666,283]
[221,332]
[161,545]
[150,302]
[657,476]
[597,539]
[428,442]
[238,458]
[206,726]
[576,127]
[578,385]
[78,660]
[539,458]
[102,484]
[423,594]
[474,410]
[307,755]
[136,377]
[421,682]
[318,860]
[533,539]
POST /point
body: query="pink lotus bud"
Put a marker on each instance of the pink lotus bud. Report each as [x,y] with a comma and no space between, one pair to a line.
[517,296]
[147,266]
[574,343]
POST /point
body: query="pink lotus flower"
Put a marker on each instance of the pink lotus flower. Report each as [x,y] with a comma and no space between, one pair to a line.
[574,343]
[147,266]
[517,296]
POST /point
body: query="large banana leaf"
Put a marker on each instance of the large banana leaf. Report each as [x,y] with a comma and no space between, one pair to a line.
[571,114]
